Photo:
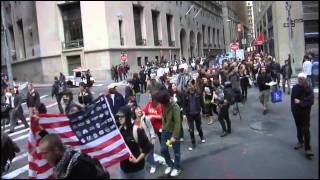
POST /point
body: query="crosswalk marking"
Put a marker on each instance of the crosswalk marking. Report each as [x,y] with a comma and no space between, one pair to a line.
[19,132]
[21,137]
[17,158]
[16,172]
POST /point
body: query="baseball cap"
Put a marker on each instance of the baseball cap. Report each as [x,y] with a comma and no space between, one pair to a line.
[302,75]
[112,85]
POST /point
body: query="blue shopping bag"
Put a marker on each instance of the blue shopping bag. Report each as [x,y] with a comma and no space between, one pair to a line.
[276,95]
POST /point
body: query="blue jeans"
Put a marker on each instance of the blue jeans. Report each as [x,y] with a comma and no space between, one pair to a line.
[309,81]
[150,158]
[165,135]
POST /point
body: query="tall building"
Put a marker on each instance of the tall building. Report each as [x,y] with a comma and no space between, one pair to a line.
[311,25]
[235,13]
[250,22]
[48,37]
[270,17]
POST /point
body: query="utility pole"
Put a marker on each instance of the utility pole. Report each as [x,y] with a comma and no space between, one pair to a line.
[288,8]
[5,46]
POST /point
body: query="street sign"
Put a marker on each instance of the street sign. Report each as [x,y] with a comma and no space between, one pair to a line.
[243,41]
[234,46]
[124,57]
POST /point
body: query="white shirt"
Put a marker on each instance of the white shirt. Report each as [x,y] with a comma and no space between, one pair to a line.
[112,97]
[307,68]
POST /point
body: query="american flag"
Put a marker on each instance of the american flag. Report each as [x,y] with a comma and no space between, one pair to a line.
[92,131]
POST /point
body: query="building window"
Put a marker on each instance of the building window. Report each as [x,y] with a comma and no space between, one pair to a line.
[213,36]
[31,43]
[72,25]
[218,38]
[12,43]
[180,3]
[21,33]
[209,40]
[155,17]
[137,13]
[120,33]
[139,61]
[203,29]
[146,60]
[169,29]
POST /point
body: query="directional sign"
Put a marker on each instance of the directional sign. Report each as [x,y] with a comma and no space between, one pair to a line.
[234,46]
[124,57]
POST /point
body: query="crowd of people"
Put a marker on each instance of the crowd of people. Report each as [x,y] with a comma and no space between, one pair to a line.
[174,96]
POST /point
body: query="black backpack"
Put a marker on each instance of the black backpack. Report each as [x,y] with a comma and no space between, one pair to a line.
[8,152]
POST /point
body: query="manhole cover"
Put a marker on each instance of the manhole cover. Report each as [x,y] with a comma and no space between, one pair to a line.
[262,126]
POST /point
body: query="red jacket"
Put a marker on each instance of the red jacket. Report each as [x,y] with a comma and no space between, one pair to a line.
[150,110]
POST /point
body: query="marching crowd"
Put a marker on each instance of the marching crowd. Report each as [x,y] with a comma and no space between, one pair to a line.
[174,97]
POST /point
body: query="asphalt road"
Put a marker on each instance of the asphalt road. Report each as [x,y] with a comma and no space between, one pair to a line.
[247,153]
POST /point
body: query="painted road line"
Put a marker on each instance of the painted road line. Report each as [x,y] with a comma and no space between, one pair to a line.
[8,125]
[21,137]
[41,97]
[97,85]
[51,105]
[19,132]
[16,172]
[17,158]
[17,127]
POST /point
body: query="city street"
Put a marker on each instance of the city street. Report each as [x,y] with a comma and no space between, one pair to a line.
[236,44]
[260,146]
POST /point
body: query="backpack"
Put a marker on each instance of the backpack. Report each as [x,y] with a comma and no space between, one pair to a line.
[8,151]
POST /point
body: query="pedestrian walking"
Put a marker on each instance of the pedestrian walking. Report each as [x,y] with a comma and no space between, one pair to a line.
[307,69]
[263,79]
[170,132]
[192,108]
[276,71]
[302,99]
[57,90]
[16,110]
[207,97]
[69,163]
[9,149]
[85,96]
[244,81]
[33,99]
[178,97]
[70,106]
[143,79]
[286,72]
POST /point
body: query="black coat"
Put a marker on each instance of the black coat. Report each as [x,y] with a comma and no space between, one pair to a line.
[262,79]
[186,101]
[85,97]
[33,99]
[83,167]
[118,102]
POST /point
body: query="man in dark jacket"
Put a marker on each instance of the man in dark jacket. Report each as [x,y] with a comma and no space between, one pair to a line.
[70,164]
[70,106]
[286,72]
[33,99]
[192,109]
[57,90]
[302,99]
[143,77]
[276,71]
[16,111]
[262,80]
[114,98]
[85,96]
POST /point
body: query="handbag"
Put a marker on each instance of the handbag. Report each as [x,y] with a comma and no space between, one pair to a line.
[276,95]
